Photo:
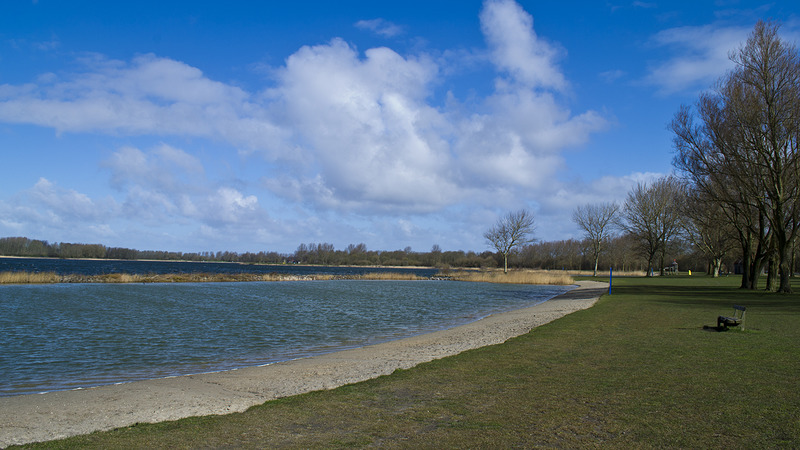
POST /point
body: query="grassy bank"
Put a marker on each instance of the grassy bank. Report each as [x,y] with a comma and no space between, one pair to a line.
[636,370]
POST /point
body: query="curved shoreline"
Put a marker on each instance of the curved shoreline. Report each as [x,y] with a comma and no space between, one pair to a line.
[55,415]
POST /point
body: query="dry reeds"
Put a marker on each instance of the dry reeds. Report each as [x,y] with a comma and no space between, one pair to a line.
[29,278]
[392,276]
[515,277]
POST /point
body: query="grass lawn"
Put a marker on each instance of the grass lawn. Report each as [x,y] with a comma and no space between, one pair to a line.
[636,370]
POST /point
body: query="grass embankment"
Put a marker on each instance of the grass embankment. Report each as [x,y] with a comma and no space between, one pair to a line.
[636,370]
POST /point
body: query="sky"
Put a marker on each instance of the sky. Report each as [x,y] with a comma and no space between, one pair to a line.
[257,126]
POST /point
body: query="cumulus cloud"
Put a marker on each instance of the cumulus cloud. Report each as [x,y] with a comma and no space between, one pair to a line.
[700,56]
[515,47]
[48,209]
[367,128]
[342,129]
[149,95]
[364,123]
[64,204]
[164,167]
[167,184]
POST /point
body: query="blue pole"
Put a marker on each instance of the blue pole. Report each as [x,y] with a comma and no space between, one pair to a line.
[610,278]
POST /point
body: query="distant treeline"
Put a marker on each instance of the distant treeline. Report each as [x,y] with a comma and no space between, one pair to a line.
[557,255]
[322,254]
[20,246]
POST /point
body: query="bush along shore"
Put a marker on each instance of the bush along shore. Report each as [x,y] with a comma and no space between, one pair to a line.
[516,277]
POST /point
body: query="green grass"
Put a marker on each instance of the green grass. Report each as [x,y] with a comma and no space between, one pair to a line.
[636,370]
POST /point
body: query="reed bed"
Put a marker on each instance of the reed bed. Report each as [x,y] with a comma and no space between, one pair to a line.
[515,277]
[50,277]
[492,276]
[393,276]
[28,277]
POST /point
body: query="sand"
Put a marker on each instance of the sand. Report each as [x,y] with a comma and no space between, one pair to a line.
[43,417]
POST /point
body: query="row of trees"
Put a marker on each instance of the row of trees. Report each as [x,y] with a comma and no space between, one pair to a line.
[25,247]
[313,253]
[737,149]
[618,251]
[738,186]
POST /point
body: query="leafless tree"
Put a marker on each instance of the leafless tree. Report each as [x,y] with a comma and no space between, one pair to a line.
[652,215]
[708,229]
[597,222]
[509,232]
[744,151]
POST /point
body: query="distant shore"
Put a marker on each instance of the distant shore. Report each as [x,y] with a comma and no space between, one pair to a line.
[32,418]
[488,276]
[51,277]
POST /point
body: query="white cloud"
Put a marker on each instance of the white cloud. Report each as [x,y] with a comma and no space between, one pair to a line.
[515,47]
[611,76]
[167,184]
[700,56]
[149,95]
[228,205]
[381,27]
[164,168]
[348,131]
[364,126]
[68,204]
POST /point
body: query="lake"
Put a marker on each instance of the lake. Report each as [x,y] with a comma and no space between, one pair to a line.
[68,336]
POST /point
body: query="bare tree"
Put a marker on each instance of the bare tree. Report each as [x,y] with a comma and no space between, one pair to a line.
[652,215]
[708,229]
[745,149]
[597,222]
[509,232]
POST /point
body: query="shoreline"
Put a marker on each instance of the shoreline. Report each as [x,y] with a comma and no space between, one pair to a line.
[54,415]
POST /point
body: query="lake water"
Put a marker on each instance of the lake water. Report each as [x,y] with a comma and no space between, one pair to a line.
[67,336]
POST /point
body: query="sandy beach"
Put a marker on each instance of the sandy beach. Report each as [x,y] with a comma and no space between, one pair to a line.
[43,417]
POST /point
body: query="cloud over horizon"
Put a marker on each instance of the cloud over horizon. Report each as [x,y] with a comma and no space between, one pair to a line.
[374,136]
[355,131]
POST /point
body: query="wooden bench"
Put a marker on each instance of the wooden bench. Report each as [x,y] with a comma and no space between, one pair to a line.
[723,322]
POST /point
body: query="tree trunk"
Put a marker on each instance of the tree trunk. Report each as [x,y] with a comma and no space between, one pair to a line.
[772,275]
[650,265]
[785,273]
[716,264]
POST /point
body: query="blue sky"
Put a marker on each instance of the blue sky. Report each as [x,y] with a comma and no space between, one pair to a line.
[249,126]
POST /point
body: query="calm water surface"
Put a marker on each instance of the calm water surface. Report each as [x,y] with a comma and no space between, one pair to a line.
[66,336]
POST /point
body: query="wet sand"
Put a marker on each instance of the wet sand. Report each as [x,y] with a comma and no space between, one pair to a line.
[55,415]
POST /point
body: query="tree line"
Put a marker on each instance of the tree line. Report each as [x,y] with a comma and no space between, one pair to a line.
[735,198]
[737,150]
[573,254]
